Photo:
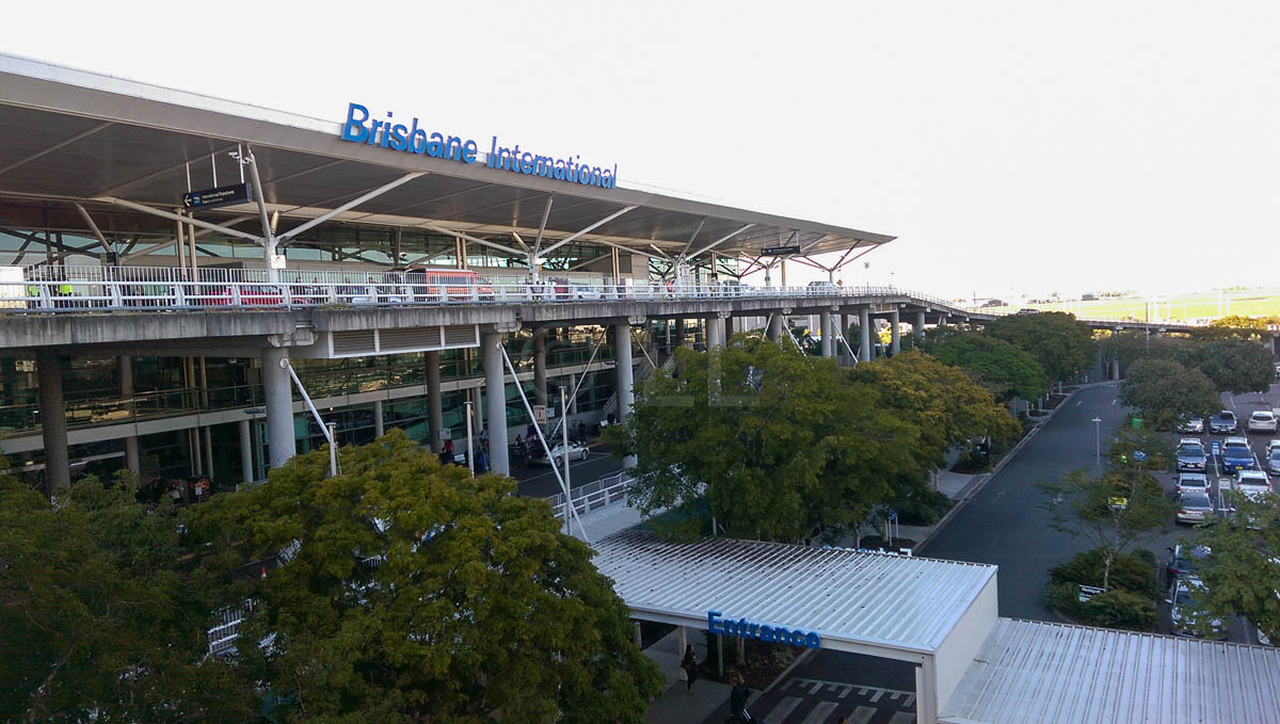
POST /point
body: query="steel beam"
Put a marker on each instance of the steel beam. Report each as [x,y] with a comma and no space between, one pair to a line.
[589,229]
[301,228]
[719,241]
[180,219]
[50,149]
[473,239]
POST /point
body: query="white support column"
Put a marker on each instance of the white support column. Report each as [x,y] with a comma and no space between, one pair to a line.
[435,407]
[919,327]
[477,409]
[714,325]
[246,452]
[895,338]
[379,428]
[864,327]
[496,402]
[132,459]
[624,382]
[824,323]
[281,444]
[207,432]
[53,421]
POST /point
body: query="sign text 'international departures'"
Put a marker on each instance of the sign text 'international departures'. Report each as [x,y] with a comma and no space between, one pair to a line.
[361,127]
[744,629]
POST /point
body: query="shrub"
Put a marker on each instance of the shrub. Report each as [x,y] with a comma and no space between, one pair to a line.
[1121,609]
[1129,572]
[923,507]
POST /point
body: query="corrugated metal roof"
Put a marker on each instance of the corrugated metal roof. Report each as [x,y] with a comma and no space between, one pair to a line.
[864,598]
[1031,671]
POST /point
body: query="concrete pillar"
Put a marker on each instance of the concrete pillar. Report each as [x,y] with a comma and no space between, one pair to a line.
[864,326]
[715,331]
[379,427]
[942,320]
[667,324]
[540,367]
[895,339]
[246,452]
[775,326]
[495,402]
[828,349]
[919,327]
[53,421]
[477,409]
[573,401]
[281,444]
[132,459]
[728,329]
[435,408]
[207,433]
[624,381]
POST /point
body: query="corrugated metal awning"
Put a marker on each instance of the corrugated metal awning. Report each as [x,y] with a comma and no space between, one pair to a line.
[1031,671]
[871,599]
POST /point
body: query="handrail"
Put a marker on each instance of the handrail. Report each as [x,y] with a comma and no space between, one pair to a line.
[593,495]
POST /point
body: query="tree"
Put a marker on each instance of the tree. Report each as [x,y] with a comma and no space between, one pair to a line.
[781,445]
[1234,365]
[1062,346]
[1242,571]
[98,614]
[1003,368]
[408,591]
[1162,390]
[1112,512]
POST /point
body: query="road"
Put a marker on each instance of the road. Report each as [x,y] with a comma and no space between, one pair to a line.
[1004,523]
[538,481]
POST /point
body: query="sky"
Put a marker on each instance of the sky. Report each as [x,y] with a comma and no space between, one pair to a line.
[1010,146]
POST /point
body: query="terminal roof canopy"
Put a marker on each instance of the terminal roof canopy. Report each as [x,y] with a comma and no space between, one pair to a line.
[72,136]
[861,599]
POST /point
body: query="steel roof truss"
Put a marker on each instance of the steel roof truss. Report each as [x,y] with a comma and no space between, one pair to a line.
[719,241]
[590,228]
[375,193]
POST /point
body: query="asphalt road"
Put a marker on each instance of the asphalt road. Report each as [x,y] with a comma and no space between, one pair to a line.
[1004,523]
[538,481]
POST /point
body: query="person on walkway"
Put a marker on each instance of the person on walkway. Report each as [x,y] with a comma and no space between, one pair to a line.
[738,700]
[582,432]
[689,664]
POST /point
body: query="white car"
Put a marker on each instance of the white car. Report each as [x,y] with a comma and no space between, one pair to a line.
[577,451]
[1262,421]
[1188,482]
[1182,606]
[1272,447]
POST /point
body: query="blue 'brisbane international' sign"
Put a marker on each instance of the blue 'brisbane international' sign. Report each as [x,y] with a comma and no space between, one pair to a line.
[361,128]
[744,629]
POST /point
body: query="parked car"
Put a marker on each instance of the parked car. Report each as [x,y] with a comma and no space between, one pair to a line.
[1236,455]
[1272,446]
[1251,482]
[1183,561]
[1223,423]
[1192,506]
[250,295]
[1273,462]
[823,288]
[1189,482]
[577,451]
[1191,455]
[1185,601]
[1195,425]
[1262,421]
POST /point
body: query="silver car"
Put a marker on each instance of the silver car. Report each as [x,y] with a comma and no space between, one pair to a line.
[1193,506]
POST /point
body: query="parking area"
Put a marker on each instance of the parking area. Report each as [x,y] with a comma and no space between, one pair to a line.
[1216,472]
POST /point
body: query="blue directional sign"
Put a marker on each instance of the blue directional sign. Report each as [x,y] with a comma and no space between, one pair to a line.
[1139,455]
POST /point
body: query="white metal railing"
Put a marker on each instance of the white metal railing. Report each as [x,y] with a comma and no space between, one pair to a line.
[596,494]
[71,289]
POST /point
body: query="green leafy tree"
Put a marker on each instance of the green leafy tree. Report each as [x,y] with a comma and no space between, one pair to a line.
[408,591]
[1112,512]
[1242,572]
[1162,390]
[98,618]
[1157,446]
[781,445]
[1062,346]
[1240,327]
[1001,367]
[1234,365]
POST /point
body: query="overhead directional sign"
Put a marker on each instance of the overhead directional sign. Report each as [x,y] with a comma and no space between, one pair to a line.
[220,196]
[779,250]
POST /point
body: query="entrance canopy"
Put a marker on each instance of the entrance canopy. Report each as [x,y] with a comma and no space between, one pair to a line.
[881,604]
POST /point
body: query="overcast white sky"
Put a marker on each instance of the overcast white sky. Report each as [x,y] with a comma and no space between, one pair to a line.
[1042,146]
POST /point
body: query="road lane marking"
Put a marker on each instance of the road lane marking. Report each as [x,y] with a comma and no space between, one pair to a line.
[1079,402]
[1113,400]
[820,713]
[782,710]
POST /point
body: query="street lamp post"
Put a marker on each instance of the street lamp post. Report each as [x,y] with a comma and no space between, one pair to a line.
[1097,447]
[471,463]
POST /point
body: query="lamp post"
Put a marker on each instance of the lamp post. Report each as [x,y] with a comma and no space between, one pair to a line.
[471,463]
[1097,447]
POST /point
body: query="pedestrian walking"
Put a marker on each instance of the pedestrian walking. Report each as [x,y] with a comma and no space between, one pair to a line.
[689,669]
[738,700]
[582,432]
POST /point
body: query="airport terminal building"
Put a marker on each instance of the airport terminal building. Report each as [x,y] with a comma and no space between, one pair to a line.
[196,288]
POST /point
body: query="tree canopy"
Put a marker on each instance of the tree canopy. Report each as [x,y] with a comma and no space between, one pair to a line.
[1242,572]
[785,446]
[407,590]
[1062,346]
[1162,390]
[99,614]
[1231,363]
[1003,368]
